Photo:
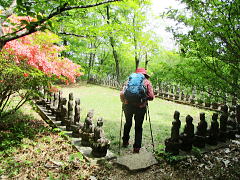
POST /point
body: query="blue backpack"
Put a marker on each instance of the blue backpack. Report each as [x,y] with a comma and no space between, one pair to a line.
[135,91]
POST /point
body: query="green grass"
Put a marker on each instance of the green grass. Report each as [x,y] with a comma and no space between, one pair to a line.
[106,103]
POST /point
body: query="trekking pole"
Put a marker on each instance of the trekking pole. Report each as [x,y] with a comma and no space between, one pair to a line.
[119,150]
[150,127]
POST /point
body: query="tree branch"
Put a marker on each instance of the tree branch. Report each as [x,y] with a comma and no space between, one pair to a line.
[35,26]
[77,35]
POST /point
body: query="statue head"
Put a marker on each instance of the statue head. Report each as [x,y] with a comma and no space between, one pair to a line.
[176,115]
[71,96]
[63,101]
[77,101]
[100,122]
[202,116]
[189,119]
[90,114]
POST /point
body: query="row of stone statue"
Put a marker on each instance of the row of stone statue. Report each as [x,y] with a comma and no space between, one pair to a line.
[68,114]
[173,93]
[227,129]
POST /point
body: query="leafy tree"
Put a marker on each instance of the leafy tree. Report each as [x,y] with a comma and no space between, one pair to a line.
[211,44]
[18,83]
[43,11]
[28,63]
[110,29]
[39,50]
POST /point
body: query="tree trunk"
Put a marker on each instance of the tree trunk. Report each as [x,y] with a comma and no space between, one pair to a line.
[115,55]
[2,43]
[146,61]
[135,44]
[91,61]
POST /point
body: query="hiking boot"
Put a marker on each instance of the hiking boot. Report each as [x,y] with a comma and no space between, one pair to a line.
[136,150]
[125,144]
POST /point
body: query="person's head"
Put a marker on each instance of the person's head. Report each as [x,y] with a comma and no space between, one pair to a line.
[143,71]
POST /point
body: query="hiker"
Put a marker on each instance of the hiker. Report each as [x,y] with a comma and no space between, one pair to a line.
[137,108]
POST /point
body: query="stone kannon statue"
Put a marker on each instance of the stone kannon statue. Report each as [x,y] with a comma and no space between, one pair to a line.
[51,99]
[213,132]
[232,123]
[54,105]
[223,123]
[48,99]
[70,117]
[58,110]
[187,136]
[77,125]
[63,113]
[99,143]
[86,133]
[200,136]
[173,144]
[238,118]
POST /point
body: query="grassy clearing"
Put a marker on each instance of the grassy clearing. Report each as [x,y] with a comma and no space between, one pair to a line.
[106,104]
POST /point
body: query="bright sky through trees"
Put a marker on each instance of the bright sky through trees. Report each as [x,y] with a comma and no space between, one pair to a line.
[159,25]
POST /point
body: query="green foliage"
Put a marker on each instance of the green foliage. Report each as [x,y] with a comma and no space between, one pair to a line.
[93,35]
[211,45]
[76,157]
[172,159]
[14,129]
[196,152]
[18,84]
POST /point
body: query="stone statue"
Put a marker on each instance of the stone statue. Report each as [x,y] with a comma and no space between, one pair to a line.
[77,111]
[54,105]
[99,143]
[200,136]
[87,130]
[187,136]
[58,110]
[182,97]
[49,104]
[63,113]
[70,117]
[223,123]
[238,118]
[173,144]
[202,126]
[77,125]
[232,124]
[213,131]
[176,124]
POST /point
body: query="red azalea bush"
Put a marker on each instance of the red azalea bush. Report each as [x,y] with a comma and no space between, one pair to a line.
[28,63]
[40,51]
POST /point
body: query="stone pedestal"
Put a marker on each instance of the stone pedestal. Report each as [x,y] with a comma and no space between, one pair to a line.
[186,144]
[199,141]
[172,146]
[98,150]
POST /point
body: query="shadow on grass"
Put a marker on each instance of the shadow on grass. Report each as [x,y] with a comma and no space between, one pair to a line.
[160,133]
[18,126]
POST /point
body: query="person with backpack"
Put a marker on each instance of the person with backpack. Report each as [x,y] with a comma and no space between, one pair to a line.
[134,96]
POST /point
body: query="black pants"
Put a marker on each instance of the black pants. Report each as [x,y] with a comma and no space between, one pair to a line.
[129,111]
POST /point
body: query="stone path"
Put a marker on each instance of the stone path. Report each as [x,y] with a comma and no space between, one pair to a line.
[138,161]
